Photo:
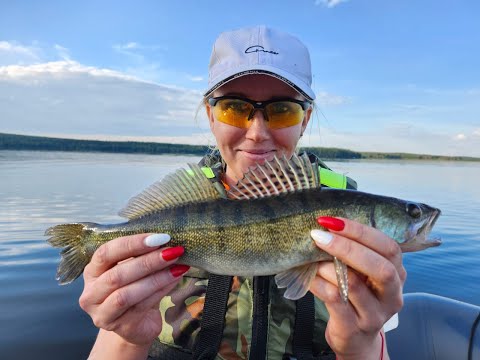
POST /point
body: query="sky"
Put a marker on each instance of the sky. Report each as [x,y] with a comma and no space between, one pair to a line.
[390,76]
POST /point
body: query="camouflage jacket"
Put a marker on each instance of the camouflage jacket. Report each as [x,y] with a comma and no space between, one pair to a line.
[182,314]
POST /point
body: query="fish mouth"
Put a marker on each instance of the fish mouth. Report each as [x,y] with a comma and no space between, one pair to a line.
[419,231]
[430,223]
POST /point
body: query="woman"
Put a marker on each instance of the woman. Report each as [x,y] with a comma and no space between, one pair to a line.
[258,105]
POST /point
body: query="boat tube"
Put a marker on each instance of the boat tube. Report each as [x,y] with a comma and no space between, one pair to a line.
[435,327]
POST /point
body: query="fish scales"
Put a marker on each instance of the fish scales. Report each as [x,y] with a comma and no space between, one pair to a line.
[266,235]
[229,237]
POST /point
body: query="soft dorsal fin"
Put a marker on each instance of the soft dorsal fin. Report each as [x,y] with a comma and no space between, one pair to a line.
[179,188]
[276,177]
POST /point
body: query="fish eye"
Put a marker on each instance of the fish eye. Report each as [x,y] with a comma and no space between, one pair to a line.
[414,210]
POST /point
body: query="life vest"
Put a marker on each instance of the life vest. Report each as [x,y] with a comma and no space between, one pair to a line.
[210,316]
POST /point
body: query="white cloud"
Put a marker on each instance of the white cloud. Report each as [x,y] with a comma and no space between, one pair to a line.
[62,52]
[136,50]
[71,98]
[195,78]
[66,97]
[460,137]
[59,69]
[326,99]
[329,3]
[128,46]
[473,92]
[412,107]
[15,53]
[16,48]
[397,137]
[132,51]
[146,62]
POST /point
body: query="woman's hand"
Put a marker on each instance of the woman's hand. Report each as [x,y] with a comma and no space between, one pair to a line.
[375,280]
[124,283]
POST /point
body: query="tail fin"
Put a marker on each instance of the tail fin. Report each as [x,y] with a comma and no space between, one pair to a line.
[74,258]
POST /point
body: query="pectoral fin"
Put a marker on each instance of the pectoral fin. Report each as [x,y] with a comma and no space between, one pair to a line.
[296,280]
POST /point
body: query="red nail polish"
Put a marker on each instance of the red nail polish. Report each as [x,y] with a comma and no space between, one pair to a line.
[331,223]
[177,270]
[172,253]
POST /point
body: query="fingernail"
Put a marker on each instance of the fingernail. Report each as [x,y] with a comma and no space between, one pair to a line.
[157,239]
[321,237]
[172,253]
[331,223]
[178,270]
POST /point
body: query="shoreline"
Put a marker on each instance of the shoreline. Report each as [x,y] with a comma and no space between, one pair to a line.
[41,143]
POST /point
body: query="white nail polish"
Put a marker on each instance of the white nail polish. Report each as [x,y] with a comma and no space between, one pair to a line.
[157,240]
[321,237]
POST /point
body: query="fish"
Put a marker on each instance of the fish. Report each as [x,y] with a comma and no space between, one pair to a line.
[259,227]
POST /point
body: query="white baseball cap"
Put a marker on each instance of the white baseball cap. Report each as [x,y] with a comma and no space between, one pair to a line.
[260,50]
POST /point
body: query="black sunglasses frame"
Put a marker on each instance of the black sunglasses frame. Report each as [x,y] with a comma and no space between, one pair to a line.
[259,105]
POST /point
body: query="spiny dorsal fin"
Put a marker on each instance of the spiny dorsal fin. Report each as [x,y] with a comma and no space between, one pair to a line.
[276,177]
[179,188]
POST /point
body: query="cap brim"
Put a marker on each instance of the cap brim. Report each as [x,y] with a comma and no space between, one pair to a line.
[287,78]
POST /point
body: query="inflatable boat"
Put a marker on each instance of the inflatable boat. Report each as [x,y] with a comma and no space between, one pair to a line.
[431,327]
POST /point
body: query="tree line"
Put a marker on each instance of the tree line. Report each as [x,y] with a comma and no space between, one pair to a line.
[41,143]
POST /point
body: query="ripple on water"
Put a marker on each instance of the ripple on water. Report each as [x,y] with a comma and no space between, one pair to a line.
[48,315]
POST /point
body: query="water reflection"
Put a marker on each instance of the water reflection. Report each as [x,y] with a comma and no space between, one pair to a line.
[42,189]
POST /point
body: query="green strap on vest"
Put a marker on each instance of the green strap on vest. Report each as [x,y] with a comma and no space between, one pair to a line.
[206,170]
[332,179]
[327,177]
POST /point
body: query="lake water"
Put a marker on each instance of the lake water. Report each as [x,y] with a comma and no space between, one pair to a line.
[41,320]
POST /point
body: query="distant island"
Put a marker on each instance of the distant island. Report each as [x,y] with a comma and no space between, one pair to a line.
[41,143]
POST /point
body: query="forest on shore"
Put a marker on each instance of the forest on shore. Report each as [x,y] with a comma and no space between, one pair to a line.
[41,143]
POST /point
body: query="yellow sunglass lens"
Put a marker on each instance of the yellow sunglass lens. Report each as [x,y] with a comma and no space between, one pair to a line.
[233,112]
[284,114]
[279,114]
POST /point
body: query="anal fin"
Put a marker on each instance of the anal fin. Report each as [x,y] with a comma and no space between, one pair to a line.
[296,280]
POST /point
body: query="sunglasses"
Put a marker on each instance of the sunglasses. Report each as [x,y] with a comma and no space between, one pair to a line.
[278,113]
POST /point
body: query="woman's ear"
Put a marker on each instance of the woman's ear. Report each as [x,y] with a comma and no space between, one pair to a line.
[211,120]
[306,118]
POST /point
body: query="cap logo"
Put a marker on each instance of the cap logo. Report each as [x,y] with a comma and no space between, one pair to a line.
[258,48]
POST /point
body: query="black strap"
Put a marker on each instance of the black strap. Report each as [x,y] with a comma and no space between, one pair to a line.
[261,299]
[304,325]
[213,318]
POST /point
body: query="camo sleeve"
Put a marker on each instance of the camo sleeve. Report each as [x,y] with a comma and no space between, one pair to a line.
[182,311]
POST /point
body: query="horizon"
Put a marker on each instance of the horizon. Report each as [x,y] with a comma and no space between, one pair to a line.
[396,77]
[122,139]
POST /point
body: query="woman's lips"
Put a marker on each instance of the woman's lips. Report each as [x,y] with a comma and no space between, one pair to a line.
[258,155]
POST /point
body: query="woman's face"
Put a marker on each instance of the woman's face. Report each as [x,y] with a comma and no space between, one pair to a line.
[242,148]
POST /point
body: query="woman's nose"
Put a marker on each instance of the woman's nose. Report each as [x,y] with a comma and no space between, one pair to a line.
[258,130]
